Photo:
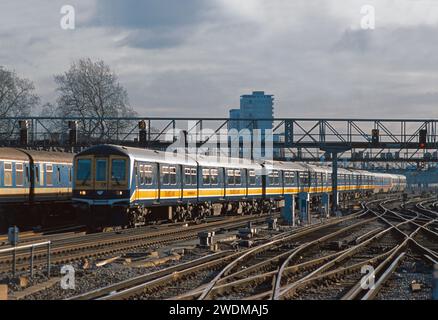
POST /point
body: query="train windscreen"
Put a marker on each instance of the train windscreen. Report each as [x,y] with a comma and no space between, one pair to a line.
[83,171]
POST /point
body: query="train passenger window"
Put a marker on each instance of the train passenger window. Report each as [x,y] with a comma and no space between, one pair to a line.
[141,175]
[205,177]
[194,177]
[289,178]
[274,178]
[314,179]
[172,173]
[214,177]
[304,179]
[230,177]
[49,174]
[27,178]
[237,178]
[165,175]
[187,176]
[83,172]
[101,170]
[8,174]
[37,176]
[147,170]
[18,174]
[118,170]
[252,178]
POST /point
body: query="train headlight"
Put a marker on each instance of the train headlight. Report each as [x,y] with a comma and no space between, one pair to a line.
[119,193]
[83,193]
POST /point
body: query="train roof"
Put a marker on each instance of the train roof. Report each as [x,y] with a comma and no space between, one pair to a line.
[225,162]
[37,156]
[146,155]
[13,154]
[284,165]
[50,156]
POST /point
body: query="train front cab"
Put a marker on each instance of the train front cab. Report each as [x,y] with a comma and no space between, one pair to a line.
[101,188]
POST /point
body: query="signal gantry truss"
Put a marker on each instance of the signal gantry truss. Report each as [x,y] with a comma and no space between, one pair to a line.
[295,139]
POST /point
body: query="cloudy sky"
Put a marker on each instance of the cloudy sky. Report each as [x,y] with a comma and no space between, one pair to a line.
[196,57]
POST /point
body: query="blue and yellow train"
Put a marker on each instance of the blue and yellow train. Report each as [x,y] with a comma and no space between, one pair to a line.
[116,185]
[34,186]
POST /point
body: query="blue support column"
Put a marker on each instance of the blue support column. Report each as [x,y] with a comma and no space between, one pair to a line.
[304,199]
[288,211]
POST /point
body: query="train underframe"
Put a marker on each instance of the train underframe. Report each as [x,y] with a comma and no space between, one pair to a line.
[124,215]
[36,215]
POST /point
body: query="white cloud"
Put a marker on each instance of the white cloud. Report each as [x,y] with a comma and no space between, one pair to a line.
[309,53]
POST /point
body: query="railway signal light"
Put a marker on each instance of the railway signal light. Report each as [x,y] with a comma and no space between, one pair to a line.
[142,133]
[142,125]
[422,138]
[375,136]
[24,132]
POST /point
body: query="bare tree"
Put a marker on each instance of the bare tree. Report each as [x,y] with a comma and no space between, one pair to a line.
[92,89]
[17,98]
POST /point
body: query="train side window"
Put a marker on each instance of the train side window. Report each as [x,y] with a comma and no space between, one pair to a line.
[147,175]
[271,177]
[141,175]
[230,177]
[49,174]
[214,177]
[287,178]
[165,175]
[172,173]
[19,174]
[314,179]
[8,174]
[274,178]
[304,179]
[206,177]
[237,177]
[27,169]
[252,178]
[37,175]
[194,177]
[187,176]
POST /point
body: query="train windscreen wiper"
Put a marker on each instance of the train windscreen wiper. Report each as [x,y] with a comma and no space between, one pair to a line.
[117,180]
[86,179]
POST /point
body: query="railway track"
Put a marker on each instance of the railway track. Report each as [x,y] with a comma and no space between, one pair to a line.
[317,262]
[346,281]
[75,248]
[180,282]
